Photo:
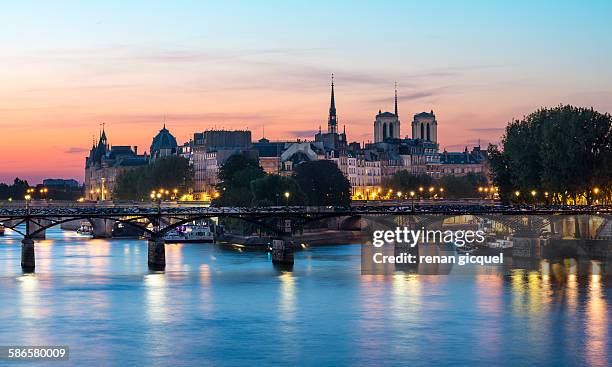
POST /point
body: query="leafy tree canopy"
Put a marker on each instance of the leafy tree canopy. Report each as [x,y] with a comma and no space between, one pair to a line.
[275,190]
[169,173]
[235,178]
[15,191]
[565,151]
[323,183]
[453,186]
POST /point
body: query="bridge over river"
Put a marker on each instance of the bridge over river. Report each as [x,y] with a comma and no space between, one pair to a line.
[156,219]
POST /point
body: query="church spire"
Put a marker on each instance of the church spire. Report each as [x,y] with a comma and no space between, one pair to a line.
[103,134]
[332,120]
[396,100]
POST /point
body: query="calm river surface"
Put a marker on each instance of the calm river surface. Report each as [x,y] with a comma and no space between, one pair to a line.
[220,307]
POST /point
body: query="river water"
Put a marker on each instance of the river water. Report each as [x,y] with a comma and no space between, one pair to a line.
[213,306]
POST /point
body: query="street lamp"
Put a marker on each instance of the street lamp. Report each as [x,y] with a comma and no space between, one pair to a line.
[27,198]
[412,197]
[43,192]
[287,194]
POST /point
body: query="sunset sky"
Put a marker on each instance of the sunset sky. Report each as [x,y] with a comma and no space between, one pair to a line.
[69,66]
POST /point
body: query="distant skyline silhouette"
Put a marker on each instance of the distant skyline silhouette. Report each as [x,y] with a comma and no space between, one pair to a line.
[68,67]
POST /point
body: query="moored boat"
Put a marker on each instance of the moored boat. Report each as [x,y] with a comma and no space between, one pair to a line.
[190,233]
[85,228]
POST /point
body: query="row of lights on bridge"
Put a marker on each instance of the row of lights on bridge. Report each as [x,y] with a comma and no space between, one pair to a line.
[377,193]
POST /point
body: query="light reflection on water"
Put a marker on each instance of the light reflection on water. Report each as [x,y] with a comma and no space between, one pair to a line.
[234,308]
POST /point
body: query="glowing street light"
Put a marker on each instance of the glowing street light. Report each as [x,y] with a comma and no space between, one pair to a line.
[517,193]
[533,193]
[596,190]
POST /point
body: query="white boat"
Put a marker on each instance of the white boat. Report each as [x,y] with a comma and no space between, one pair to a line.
[85,228]
[197,233]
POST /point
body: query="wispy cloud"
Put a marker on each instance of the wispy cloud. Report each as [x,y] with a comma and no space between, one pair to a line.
[486,130]
[75,150]
[301,133]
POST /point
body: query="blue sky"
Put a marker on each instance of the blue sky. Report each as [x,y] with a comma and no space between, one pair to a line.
[70,65]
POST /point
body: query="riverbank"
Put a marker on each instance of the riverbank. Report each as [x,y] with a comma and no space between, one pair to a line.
[310,238]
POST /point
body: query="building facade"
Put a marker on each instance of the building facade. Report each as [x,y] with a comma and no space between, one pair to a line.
[105,163]
[332,139]
[387,125]
[425,127]
[463,163]
[163,145]
[210,151]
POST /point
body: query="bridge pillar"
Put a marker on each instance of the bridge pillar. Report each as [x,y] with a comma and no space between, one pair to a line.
[282,252]
[28,259]
[34,225]
[102,227]
[527,247]
[157,254]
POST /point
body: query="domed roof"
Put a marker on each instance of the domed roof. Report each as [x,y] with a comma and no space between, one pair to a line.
[163,140]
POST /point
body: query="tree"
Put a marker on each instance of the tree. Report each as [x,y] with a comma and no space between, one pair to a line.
[454,186]
[323,183]
[235,178]
[15,191]
[405,181]
[276,190]
[169,173]
[564,151]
